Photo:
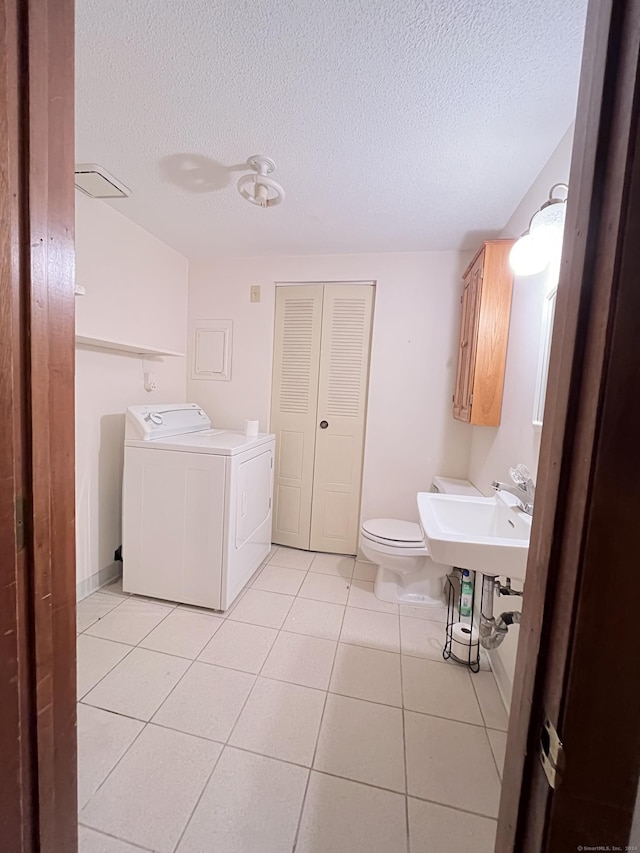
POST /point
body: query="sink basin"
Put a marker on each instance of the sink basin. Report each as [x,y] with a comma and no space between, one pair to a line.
[481,534]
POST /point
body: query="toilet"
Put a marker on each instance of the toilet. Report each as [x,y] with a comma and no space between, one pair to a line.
[406,573]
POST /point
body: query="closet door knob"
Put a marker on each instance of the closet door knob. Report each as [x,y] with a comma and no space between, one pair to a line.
[324,424]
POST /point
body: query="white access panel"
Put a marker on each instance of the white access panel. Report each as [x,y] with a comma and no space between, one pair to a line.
[173,525]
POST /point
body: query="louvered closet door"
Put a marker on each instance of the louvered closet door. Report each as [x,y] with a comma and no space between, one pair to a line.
[342,400]
[294,401]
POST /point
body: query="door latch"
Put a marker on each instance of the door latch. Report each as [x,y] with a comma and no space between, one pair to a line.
[551,753]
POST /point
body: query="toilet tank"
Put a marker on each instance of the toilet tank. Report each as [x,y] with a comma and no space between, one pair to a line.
[452,486]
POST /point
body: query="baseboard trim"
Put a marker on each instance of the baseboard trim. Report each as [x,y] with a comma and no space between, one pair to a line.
[503,680]
[99,579]
[360,557]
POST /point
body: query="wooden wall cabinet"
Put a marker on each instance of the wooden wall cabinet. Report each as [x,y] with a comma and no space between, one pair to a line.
[484,331]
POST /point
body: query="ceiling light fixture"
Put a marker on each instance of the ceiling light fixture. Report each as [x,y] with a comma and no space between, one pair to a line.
[258,188]
[542,242]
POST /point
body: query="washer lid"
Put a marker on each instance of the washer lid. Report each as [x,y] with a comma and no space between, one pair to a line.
[218,442]
[394,530]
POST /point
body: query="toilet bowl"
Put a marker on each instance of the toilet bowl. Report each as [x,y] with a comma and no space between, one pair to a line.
[406,573]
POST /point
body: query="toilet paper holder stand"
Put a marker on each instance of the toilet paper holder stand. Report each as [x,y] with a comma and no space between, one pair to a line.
[458,627]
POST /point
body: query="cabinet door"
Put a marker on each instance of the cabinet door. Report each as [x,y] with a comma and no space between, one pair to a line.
[463,357]
[475,301]
[342,402]
[491,333]
[294,401]
[462,399]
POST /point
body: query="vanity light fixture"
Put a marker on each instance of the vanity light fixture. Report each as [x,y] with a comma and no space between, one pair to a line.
[258,188]
[525,257]
[542,242]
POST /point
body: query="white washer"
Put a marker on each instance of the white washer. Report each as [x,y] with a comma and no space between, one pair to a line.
[196,506]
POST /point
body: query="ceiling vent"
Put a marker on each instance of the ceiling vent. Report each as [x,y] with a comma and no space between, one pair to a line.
[96,182]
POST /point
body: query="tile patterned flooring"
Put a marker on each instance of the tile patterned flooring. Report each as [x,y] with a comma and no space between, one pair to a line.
[310,717]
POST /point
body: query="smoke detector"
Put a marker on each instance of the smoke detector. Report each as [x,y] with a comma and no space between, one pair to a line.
[258,188]
[96,182]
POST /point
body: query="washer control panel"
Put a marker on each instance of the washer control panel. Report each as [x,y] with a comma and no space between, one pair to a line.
[164,420]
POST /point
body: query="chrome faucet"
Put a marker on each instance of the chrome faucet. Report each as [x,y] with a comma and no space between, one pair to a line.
[523,488]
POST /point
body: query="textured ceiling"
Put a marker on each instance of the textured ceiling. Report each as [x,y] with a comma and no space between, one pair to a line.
[396,125]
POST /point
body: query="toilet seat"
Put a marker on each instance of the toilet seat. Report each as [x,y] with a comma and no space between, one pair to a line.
[394,533]
[406,573]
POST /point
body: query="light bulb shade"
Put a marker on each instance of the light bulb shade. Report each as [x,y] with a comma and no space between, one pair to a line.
[260,193]
[260,190]
[547,227]
[527,256]
[541,245]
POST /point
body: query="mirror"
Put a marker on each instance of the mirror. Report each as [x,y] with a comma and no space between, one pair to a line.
[548,315]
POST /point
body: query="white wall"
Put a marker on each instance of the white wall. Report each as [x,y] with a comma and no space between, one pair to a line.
[136,293]
[411,434]
[495,449]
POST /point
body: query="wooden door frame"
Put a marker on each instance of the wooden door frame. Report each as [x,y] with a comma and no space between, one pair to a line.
[17,745]
[569,624]
[38,800]
[577,664]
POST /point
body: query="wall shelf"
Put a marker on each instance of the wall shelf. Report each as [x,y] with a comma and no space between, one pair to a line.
[120,346]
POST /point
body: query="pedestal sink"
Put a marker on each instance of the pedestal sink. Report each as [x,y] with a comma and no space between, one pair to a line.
[484,535]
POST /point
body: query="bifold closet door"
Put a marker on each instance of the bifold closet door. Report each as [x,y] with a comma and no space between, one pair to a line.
[342,402]
[294,402]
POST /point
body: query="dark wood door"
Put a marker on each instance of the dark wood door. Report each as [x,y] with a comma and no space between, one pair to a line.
[578,664]
[37,541]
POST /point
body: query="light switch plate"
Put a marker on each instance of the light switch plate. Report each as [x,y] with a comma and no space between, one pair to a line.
[255,293]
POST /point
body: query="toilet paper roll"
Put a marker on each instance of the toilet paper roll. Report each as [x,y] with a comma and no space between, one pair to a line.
[464,641]
[251,427]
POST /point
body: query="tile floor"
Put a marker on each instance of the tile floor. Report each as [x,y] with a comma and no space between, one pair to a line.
[309,717]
